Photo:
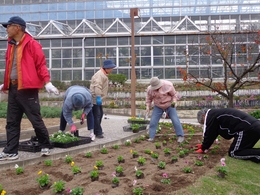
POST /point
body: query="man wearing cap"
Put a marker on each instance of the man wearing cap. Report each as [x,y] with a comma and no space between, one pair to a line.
[99,89]
[25,74]
[163,95]
[234,124]
[77,98]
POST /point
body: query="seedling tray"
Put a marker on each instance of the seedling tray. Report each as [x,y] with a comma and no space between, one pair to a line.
[82,140]
[30,146]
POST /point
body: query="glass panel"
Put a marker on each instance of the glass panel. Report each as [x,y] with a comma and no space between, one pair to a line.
[77,63]
[89,62]
[89,74]
[124,51]
[45,43]
[205,60]
[158,72]
[158,61]
[124,62]
[158,50]
[56,53]
[77,75]
[56,42]
[66,75]
[180,60]
[181,39]
[146,73]
[170,73]
[193,39]
[169,61]
[46,53]
[100,53]
[169,39]
[145,61]
[66,63]
[169,50]
[66,42]
[67,53]
[111,41]
[2,64]
[77,42]
[3,44]
[111,52]
[56,63]
[157,40]
[89,42]
[90,52]
[77,53]
[145,51]
[180,50]
[145,40]
[100,41]
[123,41]
[55,75]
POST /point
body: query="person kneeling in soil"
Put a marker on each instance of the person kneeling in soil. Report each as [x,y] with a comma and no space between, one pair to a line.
[231,123]
[77,98]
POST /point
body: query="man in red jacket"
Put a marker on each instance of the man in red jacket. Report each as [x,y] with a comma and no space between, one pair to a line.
[25,74]
[233,124]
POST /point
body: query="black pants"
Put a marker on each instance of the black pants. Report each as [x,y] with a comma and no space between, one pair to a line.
[98,115]
[20,102]
[243,143]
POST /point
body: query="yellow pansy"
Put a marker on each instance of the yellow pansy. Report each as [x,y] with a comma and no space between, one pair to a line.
[72,164]
[131,151]
[3,192]
[95,167]
[40,172]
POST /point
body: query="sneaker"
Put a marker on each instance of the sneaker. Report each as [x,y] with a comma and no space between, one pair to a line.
[92,136]
[45,152]
[60,131]
[6,156]
[180,139]
[150,140]
[100,136]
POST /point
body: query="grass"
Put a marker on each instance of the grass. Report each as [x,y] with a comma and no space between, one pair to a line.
[242,178]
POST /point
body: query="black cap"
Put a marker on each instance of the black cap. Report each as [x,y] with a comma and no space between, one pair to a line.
[15,20]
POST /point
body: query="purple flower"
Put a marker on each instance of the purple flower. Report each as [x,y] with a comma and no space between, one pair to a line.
[165,175]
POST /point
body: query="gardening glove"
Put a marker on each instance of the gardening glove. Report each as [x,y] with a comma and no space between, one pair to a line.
[98,100]
[147,110]
[73,128]
[199,151]
[50,88]
[174,104]
[1,87]
[82,118]
[199,146]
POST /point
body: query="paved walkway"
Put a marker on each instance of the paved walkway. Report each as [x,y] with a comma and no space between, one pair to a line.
[113,132]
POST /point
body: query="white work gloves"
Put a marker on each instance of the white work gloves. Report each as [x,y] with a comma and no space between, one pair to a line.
[1,87]
[50,88]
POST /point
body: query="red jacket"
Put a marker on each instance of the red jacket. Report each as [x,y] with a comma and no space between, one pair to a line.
[32,71]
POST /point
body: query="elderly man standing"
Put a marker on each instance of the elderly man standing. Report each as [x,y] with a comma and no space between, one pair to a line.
[25,73]
[99,90]
[164,96]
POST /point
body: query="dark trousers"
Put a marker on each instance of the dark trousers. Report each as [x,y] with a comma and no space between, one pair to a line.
[20,102]
[98,115]
[243,143]
[90,121]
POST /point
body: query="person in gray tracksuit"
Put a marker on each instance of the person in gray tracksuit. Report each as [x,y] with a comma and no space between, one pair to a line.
[231,123]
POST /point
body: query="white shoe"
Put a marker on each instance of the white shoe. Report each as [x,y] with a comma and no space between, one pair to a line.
[7,156]
[92,136]
[180,139]
[150,140]
[45,152]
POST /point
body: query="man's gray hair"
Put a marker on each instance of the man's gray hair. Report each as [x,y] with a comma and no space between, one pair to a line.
[201,114]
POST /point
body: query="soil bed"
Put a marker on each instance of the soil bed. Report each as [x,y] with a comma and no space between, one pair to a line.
[26,182]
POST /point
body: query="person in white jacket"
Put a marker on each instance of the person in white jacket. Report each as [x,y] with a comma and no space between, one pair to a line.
[77,98]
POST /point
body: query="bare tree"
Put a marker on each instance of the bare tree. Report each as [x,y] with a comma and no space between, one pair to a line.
[240,57]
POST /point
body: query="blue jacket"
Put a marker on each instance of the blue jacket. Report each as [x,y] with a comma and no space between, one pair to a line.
[68,106]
